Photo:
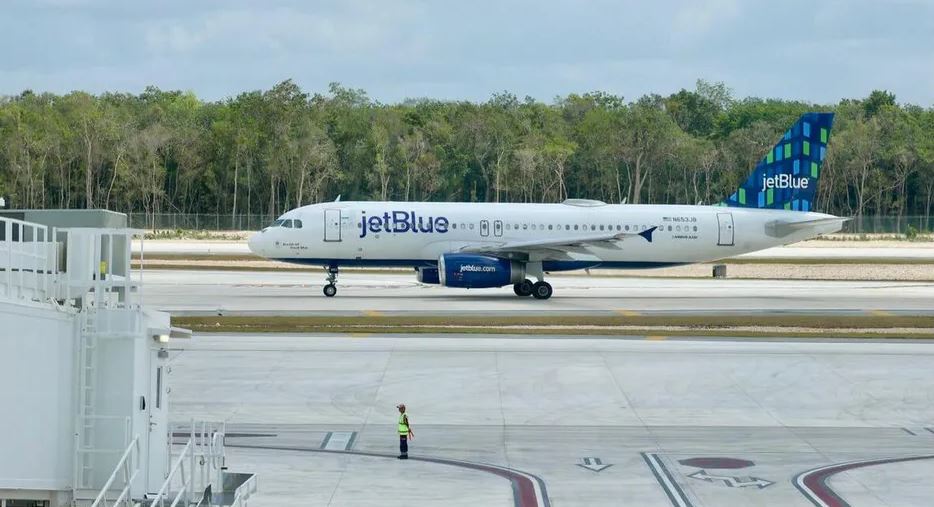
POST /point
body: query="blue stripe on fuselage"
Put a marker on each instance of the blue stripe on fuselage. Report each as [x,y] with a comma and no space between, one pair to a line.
[546,265]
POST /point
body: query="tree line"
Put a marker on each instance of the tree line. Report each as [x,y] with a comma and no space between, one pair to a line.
[263,152]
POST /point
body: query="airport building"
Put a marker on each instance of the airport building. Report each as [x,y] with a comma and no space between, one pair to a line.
[83,365]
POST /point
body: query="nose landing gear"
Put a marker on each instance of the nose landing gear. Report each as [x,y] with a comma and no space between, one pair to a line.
[330,290]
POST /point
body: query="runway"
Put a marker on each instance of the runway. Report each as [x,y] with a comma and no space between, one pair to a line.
[200,292]
[507,420]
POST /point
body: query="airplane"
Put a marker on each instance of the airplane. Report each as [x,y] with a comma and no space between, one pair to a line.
[487,245]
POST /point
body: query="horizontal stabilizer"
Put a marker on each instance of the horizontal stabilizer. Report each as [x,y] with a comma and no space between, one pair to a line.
[780,228]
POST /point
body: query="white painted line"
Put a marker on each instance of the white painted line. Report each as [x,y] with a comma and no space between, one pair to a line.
[674,492]
[338,440]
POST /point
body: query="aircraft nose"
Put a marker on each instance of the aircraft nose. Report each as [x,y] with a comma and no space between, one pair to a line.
[255,244]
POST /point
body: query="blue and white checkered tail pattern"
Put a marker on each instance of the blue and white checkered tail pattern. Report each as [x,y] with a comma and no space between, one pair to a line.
[786,178]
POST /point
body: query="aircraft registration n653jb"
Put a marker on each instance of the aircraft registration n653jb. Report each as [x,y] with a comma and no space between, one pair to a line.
[483,245]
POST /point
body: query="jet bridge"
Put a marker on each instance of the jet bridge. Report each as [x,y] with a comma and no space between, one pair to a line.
[83,378]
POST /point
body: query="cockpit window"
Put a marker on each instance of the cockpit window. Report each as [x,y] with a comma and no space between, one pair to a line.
[297,224]
[277,223]
[287,224]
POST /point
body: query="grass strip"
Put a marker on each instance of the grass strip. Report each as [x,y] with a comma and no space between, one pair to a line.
[817,325]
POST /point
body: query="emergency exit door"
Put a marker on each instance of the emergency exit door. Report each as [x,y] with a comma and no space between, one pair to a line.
[725,221]
[332,225]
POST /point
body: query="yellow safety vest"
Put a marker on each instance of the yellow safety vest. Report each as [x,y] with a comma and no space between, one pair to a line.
[403,427]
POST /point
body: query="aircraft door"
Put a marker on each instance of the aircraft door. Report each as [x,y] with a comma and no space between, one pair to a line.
[157,408]
[725,221]
[484,227]
[332,225]
[497,228]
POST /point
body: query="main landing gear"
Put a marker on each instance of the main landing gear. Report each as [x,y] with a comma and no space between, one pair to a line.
[330,290]
[540,289]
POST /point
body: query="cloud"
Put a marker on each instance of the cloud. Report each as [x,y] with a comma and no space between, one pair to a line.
[468,50]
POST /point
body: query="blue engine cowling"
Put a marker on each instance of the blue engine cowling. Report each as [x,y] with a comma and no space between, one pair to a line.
[471,271]
[427,275]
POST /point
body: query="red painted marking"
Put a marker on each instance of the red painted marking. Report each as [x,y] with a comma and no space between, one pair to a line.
[815,481]
[730,463]
[524,494]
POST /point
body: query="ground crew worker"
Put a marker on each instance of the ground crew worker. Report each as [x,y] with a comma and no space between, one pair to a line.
[405,432]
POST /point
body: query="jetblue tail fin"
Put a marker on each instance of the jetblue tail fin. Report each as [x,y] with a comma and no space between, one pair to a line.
[787,177]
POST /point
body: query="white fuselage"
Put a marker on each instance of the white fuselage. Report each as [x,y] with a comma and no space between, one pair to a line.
[381,233]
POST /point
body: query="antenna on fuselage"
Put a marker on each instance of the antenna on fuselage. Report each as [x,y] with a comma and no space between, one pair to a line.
[338,198]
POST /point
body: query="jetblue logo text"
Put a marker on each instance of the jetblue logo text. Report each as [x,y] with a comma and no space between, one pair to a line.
[784,181]
[402,221]
[473,268]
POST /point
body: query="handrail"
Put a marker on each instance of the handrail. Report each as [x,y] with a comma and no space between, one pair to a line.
[125,462]
[179,465]
[244,492]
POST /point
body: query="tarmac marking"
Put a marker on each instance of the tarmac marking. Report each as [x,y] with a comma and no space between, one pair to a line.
[881,313]
[339,440]
[373,313]
[528,490]
[813,483]
[666,481]
[906,430]
[656,338]
[627,313]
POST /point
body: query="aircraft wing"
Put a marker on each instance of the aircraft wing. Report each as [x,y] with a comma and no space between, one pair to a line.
[563,245]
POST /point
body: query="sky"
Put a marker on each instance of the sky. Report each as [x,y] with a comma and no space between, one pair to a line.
[467,50]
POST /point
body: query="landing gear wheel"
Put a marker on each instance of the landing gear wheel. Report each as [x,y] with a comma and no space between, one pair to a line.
[330,290]
[542,290]
[523,288]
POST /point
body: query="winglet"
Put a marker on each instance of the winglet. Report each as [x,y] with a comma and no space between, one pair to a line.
[647,234]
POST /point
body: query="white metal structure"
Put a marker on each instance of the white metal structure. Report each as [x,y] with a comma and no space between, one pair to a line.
[81,368]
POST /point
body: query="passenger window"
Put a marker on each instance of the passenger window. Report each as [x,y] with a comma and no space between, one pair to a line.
[601,227]
[593,227]
[627,227]
[550,227]
[567,227]
[695,228]
[471,227]
[575,227]
[525,226]
[617,227]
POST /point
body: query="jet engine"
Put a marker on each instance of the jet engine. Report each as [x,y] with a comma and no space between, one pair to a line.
[426,275]
[472,271]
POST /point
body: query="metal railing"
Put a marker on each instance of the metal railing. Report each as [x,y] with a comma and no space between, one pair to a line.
[178,470]
[204,456]
[129,464]
[29,260]
[244,492]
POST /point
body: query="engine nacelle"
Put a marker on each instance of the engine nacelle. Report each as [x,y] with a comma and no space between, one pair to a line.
[427,275]
[472,271]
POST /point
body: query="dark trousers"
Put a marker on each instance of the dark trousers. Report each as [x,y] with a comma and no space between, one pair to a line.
[404,445]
